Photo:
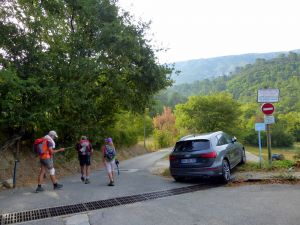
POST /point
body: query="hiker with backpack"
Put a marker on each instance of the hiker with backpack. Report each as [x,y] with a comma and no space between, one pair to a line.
[45,148]
[84,149]
[108,158]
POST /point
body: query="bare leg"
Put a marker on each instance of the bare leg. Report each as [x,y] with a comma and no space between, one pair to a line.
[41,174]
[110,177]
[53,179]
[82,170]
[87,170]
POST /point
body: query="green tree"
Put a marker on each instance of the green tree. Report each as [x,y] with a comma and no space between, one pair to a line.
[291,122]
[128,128]
[209,113]
[72,65]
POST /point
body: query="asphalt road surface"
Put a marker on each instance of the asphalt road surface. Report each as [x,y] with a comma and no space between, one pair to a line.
[212,205]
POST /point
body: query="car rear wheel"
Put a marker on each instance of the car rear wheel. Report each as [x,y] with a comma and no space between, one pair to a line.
[178,179]
[225,171]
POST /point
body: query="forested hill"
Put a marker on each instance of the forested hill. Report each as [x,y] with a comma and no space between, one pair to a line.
[282,72]
[200,69]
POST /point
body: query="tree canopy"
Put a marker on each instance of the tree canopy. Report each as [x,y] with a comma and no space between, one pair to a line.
[201,114]
[72,65]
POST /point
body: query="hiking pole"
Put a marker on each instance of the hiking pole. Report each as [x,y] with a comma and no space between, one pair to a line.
[117,164]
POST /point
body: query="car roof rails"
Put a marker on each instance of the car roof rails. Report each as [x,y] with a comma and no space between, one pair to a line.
[189,136]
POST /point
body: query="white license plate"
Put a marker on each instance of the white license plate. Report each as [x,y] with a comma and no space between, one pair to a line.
[188,160]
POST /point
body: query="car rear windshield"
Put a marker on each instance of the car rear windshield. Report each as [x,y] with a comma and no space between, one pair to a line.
[193,145]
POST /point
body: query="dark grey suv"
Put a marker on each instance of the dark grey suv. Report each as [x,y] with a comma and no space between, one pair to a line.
[206,155]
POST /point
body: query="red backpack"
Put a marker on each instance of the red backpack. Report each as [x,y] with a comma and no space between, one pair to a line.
[40,146]
[84,147]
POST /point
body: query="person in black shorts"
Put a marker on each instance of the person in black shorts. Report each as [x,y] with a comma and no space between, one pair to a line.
[84,149]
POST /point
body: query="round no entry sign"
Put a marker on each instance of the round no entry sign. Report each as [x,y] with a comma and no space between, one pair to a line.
[267,108]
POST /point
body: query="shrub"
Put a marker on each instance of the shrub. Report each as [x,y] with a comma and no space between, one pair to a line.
[282,164]
[162,138]
[281,138]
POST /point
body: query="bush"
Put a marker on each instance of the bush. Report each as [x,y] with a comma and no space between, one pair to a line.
[297,155]
[128,128]
[281,138]
[162,138]
[251,138]
[125,138]
[254,166]
[282,164]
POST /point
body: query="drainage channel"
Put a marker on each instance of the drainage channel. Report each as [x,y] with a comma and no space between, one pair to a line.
[18,217]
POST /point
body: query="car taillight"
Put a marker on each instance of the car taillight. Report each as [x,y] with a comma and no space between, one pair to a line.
[209,155]
[172,157]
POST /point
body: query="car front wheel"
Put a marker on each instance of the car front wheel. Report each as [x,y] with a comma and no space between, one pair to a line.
[243,159]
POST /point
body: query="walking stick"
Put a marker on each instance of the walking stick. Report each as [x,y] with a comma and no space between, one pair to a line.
[117,164]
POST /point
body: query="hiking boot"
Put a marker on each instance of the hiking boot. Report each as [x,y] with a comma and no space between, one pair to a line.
[57,186]
[87,181]
[111,183]
[39,189]
[82,179]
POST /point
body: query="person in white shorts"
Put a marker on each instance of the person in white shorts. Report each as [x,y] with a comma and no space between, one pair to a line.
[108,159]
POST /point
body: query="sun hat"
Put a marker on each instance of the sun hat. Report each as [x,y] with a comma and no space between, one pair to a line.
[84,138]
[108,140]
[53,133]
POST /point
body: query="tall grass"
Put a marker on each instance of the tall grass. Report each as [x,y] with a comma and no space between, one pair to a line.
[288,152]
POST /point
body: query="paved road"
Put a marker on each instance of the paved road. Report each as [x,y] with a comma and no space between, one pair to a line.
[245,205]
[134,178]
[249,205]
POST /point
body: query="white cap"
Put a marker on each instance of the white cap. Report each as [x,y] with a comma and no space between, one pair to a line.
[53,133]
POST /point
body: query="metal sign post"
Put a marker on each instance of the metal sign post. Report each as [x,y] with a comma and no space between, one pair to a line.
[268,96]
[259,146]
[269,144]
[259,127]
[268,109]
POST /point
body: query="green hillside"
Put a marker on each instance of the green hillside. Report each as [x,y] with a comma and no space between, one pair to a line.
[282,72]
[200,69]
[199,106]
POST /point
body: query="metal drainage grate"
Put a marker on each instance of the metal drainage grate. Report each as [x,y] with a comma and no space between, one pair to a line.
[17,217]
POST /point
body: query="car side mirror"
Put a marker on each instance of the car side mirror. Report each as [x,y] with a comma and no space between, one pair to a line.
[233,139]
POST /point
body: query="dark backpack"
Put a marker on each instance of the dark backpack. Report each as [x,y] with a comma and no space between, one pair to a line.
[109,152]
[40,146]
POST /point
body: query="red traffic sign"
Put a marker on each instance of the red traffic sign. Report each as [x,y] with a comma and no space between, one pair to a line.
[267,108]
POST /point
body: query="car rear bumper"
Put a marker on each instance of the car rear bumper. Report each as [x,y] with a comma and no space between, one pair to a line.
[196,172]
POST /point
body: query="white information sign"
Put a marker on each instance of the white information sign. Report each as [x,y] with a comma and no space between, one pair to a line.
[269,119]
[268,95]
[260,126]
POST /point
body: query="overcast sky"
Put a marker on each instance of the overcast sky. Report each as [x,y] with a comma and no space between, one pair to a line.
[194,29]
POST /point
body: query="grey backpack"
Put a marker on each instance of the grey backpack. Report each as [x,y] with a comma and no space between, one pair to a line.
[109,152]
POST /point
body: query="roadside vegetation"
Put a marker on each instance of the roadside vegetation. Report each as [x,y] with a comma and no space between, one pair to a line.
[87,68]
[289,153]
